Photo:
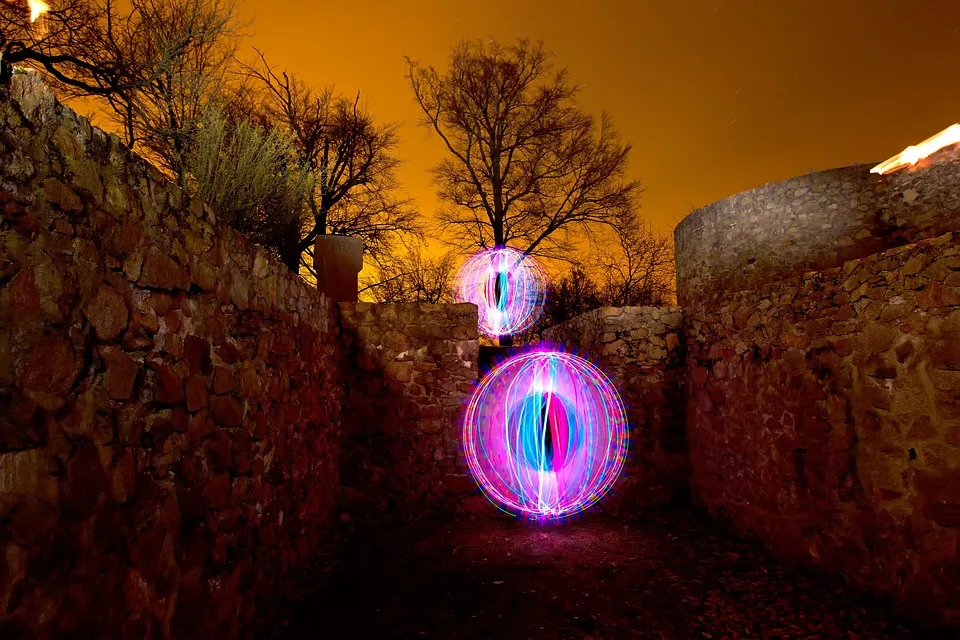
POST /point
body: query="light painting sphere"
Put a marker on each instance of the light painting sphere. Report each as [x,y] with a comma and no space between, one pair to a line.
[545,434]
[508,288]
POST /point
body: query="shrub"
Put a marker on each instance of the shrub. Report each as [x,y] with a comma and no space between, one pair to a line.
[249,178]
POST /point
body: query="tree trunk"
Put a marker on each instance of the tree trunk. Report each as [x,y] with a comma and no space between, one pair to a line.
[289,250]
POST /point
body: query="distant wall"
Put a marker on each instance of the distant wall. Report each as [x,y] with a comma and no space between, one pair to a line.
[823,415]
[640,349]
[169,396]
[813,222]
[413,368]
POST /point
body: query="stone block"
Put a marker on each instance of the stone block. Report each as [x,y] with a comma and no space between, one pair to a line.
[168,386]
[24,476]
[84,483]
[107,313]
[196,392]
[160,271]
[121,372]
[227,411]
[49,370]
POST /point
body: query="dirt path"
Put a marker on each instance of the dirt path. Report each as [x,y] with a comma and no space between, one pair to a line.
[667,576]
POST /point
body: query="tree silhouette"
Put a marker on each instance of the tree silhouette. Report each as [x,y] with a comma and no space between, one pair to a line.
[77,45]
[352,159]
[637,265]
[413,276]
[157,65]
[525,167]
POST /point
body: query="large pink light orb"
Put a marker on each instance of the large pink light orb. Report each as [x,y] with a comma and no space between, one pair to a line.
[545,434]
[507,286]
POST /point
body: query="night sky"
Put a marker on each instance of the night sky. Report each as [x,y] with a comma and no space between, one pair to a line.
[716,97]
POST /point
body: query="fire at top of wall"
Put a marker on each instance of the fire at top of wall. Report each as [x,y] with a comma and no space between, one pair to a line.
[37,9]
[915,153]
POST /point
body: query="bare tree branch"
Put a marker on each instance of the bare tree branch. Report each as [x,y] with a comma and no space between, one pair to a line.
[351,157]
[157,66]
[526,166]
[413,277]
[637,265]
[633,266]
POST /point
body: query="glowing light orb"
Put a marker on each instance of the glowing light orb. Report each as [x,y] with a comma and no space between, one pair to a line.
[545,434]
[507,287]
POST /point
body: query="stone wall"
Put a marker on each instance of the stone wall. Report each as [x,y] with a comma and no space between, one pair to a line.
[923,201]
[413,368]
[169,396]
[640,349]
[824,416]
[813,222]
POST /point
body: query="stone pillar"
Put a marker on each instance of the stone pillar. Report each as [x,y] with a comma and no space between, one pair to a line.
[338,260]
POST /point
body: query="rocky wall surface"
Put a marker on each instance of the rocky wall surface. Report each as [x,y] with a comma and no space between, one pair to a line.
[640,350]
[413,367]
[813,222]
[823,415]
[923,201]
[169,396]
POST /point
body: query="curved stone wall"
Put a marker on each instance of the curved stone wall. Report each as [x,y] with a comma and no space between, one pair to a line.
[923,202]
[812,222]
[823,416]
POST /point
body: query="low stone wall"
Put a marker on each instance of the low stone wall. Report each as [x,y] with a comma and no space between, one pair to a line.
[824,416]
[413,367]
[169,397]
[640,349]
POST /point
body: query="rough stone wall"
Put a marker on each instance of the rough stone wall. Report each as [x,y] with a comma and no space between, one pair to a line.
[413,368]
[640,349]
[824,415]
[168,396]
[813,222]
[923,201]
[809,222]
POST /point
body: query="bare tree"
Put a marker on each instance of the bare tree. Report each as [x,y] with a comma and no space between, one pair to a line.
[571,295]
[352,159]
[637,265]
[76,44]
[526,166]
[413,277]
[161,116]
[157,66]
[634,267]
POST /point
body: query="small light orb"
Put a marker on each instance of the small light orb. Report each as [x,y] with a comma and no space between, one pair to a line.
[508,288]
[545,434]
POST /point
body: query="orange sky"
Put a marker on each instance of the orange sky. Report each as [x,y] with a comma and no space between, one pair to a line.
[716,97]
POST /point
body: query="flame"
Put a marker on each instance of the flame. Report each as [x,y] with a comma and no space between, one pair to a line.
[37,9]
[915,153]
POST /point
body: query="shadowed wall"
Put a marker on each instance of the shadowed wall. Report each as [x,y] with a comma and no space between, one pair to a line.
[641,350]
[169,396]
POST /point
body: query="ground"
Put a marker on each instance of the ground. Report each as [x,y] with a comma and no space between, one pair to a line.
[666,575]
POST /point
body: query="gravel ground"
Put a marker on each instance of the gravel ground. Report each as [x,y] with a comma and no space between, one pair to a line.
[666,575]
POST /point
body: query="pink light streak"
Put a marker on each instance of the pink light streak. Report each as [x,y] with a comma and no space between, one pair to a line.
[508,288]
[545,434]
